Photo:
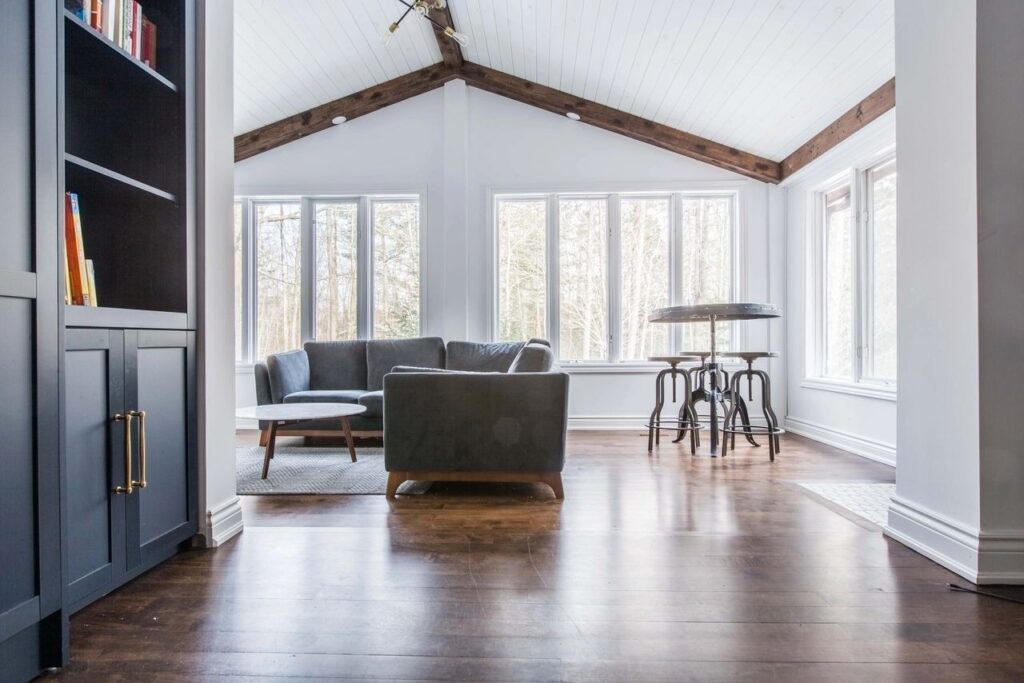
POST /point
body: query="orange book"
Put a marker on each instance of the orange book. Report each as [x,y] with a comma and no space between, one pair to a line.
[75,251]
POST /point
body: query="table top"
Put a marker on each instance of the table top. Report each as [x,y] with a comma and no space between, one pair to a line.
[704,312]
[299,411]
[748,355]
[675,359]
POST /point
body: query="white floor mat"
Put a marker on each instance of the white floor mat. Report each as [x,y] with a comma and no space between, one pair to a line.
[867,500]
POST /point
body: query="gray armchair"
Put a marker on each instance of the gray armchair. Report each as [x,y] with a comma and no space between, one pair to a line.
[441,425]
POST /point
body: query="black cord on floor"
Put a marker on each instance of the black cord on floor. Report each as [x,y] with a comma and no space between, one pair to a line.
[954,587]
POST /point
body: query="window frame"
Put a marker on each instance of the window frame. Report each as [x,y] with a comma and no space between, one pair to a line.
[613,264]
[364,262]
[861,382]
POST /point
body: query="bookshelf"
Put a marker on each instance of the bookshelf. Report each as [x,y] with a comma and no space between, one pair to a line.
[127,141]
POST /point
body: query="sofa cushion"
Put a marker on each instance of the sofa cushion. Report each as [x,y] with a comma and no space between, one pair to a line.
[374,402]
[384,354]
[534,358]
[476,357]
[325,396]
[336,364]
[289,372]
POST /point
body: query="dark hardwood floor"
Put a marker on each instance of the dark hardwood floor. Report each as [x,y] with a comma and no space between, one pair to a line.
[654,568]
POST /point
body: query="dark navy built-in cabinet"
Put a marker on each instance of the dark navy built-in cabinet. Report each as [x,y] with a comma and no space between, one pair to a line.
[98,465]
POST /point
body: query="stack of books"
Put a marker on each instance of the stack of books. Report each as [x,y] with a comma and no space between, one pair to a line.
[79,273]
[121,21]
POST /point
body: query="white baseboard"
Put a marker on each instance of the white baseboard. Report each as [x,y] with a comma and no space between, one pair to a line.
[222,523]
[981,557]
[852,443]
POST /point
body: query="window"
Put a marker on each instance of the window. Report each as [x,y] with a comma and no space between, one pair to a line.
[617,257]
[324,268]
[335,234]
[522,254]
[396,269]
[856,319]
[278,277]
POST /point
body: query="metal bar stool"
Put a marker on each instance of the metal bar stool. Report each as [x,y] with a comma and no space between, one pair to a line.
[698,375]
[687,420]
[771,428]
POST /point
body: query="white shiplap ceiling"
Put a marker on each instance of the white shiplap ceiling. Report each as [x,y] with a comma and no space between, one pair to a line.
[760,75]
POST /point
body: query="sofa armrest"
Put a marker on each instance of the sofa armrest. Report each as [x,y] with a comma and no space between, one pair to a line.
[263,394]
[480,422]
[289,372]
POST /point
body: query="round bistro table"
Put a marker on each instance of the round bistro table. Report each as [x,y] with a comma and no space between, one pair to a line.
[282,413]
[713,313]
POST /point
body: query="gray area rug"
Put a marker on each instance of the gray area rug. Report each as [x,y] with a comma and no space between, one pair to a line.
[301,470]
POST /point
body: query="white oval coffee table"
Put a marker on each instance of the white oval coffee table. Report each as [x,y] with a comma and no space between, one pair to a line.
[282,413]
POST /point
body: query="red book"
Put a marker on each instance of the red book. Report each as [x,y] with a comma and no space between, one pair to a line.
[136,30]
[149,43]
[96,15]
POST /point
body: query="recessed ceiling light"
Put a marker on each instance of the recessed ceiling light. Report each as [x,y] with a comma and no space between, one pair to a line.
[573,115]
[338,120]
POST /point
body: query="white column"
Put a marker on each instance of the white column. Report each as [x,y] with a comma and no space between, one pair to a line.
[218,504]
[960,431]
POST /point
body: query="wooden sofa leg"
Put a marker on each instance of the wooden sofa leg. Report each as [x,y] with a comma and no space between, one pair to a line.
[555,482]
[264,437]
[395,479]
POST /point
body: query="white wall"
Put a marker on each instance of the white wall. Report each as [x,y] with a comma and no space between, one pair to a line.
[960,103]
[857,422]
[490,145]
[222,517]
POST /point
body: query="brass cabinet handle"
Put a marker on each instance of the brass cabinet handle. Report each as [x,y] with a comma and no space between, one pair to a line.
[141,414]
[129,484]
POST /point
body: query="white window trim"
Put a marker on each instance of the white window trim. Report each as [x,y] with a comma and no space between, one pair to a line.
[364,263]
[613,363]
[814,377]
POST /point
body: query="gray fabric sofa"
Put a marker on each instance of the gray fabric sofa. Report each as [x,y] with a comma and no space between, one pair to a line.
[499,425]
[468,411]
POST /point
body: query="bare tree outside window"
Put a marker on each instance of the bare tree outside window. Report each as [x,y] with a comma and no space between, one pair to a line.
[336,291]
[838,280]
[583,278]
[705,263]
[522,269]
[278,276]
[881,361]
[396,269]
[239,289]
[645,225]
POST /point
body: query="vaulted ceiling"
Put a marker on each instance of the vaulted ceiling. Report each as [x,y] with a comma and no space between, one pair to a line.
[762,76]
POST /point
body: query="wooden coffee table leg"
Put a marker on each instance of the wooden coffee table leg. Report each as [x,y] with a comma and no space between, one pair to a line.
[347,428]
[269,452]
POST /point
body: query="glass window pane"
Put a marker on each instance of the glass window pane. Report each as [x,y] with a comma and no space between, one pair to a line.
[522,258]
[335,295]
[645,271]
[278,279]
[396,269]
[882,340]
[706,266]
[239,288]
[838,280]
[583,279]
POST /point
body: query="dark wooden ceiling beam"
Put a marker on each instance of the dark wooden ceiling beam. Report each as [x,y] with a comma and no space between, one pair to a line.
[451,52]
[620,122]
[866,111]
[352,106]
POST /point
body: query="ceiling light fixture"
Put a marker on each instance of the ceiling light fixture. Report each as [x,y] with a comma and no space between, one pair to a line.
[572,115]
[338,120]
[422,8]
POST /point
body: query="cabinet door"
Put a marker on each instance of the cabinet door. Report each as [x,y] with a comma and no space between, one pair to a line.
[30,588]
[94,393]
[159,376]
